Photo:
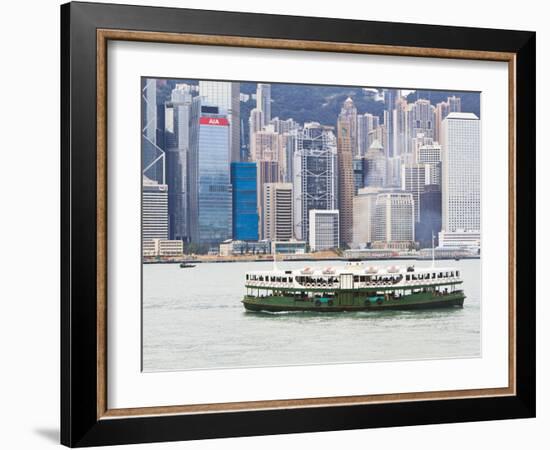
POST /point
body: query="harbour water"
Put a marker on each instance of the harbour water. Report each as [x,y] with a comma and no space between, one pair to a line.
[193,319]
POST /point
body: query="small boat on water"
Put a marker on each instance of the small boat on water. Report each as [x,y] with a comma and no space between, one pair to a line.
[353,287]
[186,265]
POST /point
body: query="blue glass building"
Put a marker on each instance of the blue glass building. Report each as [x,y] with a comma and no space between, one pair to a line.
[210,197]
[245,194]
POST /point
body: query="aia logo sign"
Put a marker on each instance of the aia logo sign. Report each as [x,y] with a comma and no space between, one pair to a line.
[217,121]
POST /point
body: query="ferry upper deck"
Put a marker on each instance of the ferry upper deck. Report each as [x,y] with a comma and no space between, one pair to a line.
[354,275]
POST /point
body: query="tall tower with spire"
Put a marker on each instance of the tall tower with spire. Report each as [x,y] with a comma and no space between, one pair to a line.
[346,148]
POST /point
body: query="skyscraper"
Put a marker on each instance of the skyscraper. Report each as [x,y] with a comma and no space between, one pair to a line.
[375,166]
[267,172]
[364,208]
[154,210]
[226,96]
[394,220]
[431,154]
[365,124]
[430,215]
[278,219]
[324,227]
[153,156]
[263,102]
[414,177]
[245,207]
[421,119]
[177,152]
[210,193]
[347,139]
[455,104]
[460,172]
[315,174]
[390,96]
[400,127]
[267,145]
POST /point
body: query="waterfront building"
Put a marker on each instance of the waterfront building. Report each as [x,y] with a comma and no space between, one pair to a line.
[430,215]
[375,168]
[324,229]
[460,172]
[231,247]
[154,210]
[210,193]
[263,102]
[226,96]
[277,213]
[162,247]
[346,144]
[291,247]
[364,208]
[245,201]
[460,239]
[394,220]
[314,174]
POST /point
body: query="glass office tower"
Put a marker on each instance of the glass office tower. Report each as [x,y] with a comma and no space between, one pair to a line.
[210,193]
[245,195]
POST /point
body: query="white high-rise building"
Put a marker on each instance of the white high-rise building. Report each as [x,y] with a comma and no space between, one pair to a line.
[460,172]
[226,96]
[394,220]
[277,212]
[154,210]
[263,102]
[324,229]
[364,208]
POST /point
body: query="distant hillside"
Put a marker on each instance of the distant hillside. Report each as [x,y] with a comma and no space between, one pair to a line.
[305,103]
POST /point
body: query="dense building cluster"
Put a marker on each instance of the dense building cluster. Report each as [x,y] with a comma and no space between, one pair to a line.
[384,182]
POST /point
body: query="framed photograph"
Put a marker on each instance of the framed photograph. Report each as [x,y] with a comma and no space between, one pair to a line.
[277,224]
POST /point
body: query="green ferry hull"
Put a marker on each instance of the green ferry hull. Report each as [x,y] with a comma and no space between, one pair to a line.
[355,303]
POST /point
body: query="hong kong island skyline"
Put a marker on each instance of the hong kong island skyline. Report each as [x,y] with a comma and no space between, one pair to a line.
[244,168]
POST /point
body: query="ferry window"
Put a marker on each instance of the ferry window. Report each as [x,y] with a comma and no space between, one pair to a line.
[355,278]
[414,277]
[457,273]
[247,276]
[290,279]
[433,275]
[408,277]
